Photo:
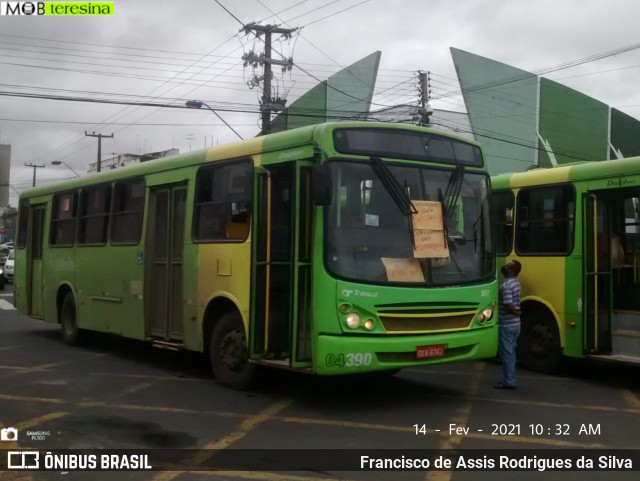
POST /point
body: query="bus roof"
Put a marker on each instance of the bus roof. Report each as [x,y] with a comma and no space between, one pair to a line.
[267,143]
[568,173]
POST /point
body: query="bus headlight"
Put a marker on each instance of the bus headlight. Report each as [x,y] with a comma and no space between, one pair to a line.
[368,324]
[353,320]
[486,315]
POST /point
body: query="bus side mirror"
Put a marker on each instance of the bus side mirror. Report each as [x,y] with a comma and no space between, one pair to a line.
[321,188]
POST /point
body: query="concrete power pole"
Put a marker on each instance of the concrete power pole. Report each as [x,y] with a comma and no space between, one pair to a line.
[99,136]
[268,103]
[34,166]
[425,109]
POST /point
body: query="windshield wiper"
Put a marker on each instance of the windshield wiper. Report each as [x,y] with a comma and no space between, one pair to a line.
[398,194]
[452,192]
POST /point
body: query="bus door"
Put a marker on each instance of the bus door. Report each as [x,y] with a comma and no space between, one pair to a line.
[612,275]
[164,270]
[281,287]
[597,275]
[35,240]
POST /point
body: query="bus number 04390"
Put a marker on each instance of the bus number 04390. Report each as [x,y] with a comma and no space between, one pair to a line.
[349,359]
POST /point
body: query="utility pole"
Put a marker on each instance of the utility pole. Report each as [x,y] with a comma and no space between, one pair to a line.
[268,103]
[34,166]
[424,88]
[99,136]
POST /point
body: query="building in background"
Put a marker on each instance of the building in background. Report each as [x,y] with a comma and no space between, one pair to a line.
[8,218]
[122,160]
[346,95]
[520,118]
[5,174]
[524,120]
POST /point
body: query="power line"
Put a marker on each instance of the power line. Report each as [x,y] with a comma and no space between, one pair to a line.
[98,44]
[121,112]
[310,11]
[344,114]
[155,124]
[336,13]
[322,52]
[305,71]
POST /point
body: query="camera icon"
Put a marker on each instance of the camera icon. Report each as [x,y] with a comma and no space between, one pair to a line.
[8,434]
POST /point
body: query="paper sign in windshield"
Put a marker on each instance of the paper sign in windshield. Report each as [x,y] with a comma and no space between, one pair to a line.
[403,270]
[428,230]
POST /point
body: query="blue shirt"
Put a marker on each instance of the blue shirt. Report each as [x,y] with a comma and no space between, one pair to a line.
[509,293]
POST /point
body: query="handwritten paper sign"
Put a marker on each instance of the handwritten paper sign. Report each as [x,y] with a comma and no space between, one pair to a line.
[429,215]
[428,230]
[403,270]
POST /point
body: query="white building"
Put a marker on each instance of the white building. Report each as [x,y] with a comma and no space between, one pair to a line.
[122,160]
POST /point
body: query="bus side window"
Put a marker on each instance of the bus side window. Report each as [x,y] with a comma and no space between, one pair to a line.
[63,219]
[545,220]
[223,202]
[127,212]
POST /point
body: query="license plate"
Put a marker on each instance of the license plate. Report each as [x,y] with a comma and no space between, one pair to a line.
[425,352]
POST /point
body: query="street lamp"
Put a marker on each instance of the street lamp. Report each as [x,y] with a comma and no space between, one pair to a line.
[197,104]
[59,162]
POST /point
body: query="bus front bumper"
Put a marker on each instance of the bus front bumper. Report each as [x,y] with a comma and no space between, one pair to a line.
[359,354]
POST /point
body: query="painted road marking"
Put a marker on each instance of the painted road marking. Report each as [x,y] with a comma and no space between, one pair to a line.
[631,398]
[6,306]
[461,418]
[30,423]
[134,407]
[244,428]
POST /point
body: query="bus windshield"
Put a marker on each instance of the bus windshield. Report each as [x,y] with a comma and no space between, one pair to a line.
[365,225]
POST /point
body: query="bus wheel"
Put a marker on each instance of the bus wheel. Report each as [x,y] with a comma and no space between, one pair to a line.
[68,321]
[229,354]
[539,345]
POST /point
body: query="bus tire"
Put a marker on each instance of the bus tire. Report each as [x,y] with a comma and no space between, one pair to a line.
[539,344]
[71,334]
[229,354]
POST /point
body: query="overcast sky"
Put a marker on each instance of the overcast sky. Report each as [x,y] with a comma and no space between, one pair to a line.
[172,51]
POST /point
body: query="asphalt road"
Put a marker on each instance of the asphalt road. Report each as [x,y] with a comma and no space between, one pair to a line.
[119,394]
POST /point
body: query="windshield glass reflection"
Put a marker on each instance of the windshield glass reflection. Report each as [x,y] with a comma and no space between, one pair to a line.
[365,226]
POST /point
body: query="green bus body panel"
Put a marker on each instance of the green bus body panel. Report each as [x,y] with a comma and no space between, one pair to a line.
[109,282]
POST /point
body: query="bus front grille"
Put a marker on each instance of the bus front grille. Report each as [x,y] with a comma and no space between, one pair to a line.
[432,322]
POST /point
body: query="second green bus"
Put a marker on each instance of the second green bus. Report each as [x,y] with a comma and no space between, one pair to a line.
[576,231]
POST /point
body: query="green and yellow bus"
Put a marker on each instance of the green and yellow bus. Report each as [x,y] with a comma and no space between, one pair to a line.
[575,229]
[337,248]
